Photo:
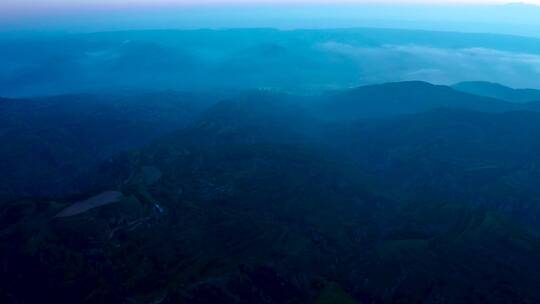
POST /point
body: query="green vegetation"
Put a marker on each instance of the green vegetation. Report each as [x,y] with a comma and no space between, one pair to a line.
[274,198]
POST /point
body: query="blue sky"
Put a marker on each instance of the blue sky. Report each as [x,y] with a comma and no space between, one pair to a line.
[20,6]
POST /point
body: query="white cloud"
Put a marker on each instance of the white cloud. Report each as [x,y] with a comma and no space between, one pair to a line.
[440,65]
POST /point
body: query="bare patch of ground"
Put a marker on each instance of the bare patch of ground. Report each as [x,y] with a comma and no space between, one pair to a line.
[102,199]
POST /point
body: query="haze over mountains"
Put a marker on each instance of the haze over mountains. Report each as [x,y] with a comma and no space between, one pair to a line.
[301,61]
[494,16]
[259,165]
[499,91]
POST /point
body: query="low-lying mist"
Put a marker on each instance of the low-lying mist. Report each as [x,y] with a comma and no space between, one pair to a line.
[297,61]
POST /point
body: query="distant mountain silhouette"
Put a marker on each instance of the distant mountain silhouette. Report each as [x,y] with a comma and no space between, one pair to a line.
[495,90]
[389,99]
[303,61]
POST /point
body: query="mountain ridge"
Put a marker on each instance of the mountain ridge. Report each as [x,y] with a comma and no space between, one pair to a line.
[495,90]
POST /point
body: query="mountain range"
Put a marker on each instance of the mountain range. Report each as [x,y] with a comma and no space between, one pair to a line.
[402,192]
[295,61]
[498,91]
